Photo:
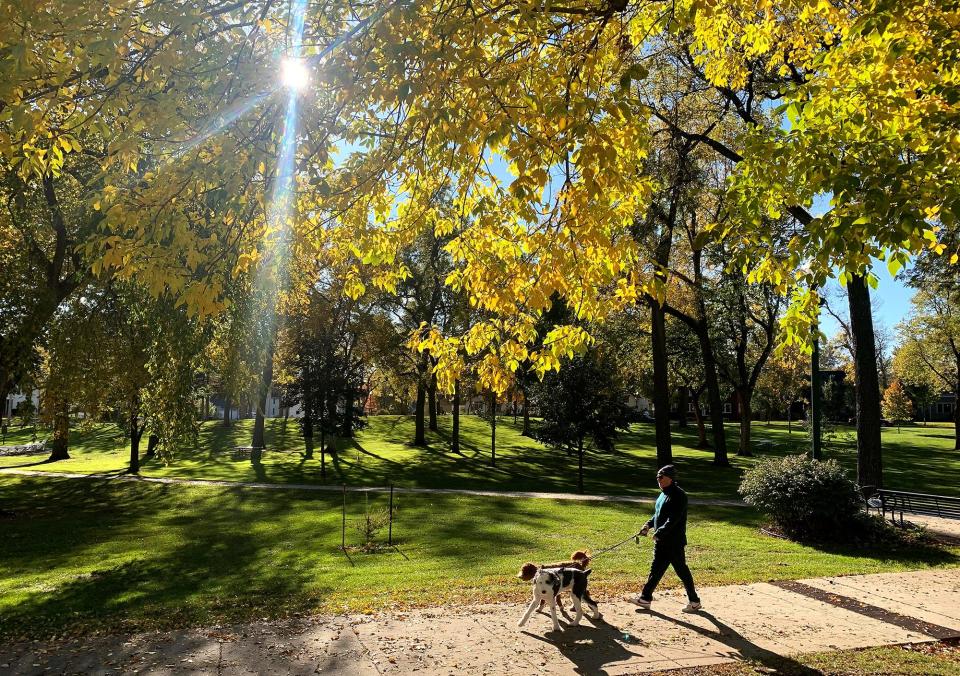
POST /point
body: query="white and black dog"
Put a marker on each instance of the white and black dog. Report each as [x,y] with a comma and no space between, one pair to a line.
[548,582]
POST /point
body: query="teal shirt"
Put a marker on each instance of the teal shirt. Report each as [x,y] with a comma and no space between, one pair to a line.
[669,522]
[662,498]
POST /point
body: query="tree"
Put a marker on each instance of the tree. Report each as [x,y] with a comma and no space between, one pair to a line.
[782,379]
[323,365]
[896,404]
[929,354]
[117,354]
[181,190]
[748,324]
[422,299]
[109,163]
[686,367]
[583,406]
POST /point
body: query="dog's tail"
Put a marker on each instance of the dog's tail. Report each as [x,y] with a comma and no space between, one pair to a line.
[527,572]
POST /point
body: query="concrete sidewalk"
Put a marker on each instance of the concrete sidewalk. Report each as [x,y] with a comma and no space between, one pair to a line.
[763,622]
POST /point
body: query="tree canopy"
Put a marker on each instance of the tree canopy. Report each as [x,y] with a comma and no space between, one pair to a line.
[147,136]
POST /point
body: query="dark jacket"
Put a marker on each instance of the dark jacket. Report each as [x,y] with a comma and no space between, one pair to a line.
[669,522]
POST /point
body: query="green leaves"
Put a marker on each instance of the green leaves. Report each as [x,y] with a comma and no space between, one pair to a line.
[635,72]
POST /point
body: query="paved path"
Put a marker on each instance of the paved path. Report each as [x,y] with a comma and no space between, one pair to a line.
[764,622]
[360,489]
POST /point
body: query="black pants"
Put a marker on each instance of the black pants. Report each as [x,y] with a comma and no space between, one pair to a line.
[666,554]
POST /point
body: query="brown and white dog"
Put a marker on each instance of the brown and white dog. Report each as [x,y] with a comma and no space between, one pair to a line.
[547,585]
[579,560]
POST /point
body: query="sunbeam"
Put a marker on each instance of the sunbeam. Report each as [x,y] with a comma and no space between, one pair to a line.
[221,121]
[273,269]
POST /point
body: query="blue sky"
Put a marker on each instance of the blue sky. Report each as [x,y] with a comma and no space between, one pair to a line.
[892,304]
[892,296]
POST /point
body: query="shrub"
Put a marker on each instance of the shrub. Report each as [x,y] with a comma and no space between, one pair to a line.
[370,524]
[806,499]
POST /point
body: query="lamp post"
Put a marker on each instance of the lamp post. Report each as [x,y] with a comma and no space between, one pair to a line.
[815,391]
[816,404]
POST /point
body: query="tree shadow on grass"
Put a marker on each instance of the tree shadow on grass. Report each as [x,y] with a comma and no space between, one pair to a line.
[120,555]
[462,536]
[911,555]
[45,461]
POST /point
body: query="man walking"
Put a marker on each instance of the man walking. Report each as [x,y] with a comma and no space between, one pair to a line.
[669,524]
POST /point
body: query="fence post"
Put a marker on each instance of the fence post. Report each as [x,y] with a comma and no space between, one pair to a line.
[343,521]
[390,532]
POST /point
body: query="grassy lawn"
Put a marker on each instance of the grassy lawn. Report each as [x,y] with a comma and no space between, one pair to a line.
[87,555]
[925,659]
[916,458]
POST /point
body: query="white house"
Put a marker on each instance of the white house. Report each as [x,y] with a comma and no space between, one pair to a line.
[13,401]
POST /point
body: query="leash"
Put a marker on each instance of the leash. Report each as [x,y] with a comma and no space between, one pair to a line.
[635,536]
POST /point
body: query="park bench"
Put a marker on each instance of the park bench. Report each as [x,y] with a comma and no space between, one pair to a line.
[925,504]
[254,453]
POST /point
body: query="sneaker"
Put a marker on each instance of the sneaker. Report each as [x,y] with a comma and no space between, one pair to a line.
[692,607]
[639,601]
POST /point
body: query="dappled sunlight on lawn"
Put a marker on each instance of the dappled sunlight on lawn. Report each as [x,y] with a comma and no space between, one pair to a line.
[128,557]
[916,458]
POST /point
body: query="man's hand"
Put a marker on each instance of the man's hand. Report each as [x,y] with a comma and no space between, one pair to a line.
[644,531]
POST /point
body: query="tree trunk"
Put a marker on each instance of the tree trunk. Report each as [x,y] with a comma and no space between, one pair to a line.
[869,451]
[432,403]
[526,417]
[308,436]
[956,411]
[226,411]
[790,418]
[135,435]
[332,427]
[4,393]
[349,400]
[493,429]
[684,405]
[323,449]
[455,441]
[266,383]
[714,399]
[420,437]
[746,413]
[152,442]
[701,428]
[580,466]
[61,429]
[661,387]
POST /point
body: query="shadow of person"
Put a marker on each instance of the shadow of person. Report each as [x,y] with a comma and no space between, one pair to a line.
[591,648]
[727,635]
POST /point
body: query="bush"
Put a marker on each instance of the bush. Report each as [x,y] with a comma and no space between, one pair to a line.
[806,499]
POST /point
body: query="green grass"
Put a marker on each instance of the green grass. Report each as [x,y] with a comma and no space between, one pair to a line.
[924,659]
[91,555]
[916,458]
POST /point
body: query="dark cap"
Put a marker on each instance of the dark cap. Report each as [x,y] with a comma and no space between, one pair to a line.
[668,471]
